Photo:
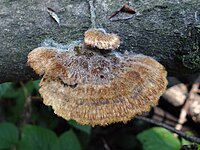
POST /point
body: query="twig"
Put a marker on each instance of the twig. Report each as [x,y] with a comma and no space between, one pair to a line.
[189,100]
[198,91]
[92,13]
[180,133]
[36,98]
[26,114]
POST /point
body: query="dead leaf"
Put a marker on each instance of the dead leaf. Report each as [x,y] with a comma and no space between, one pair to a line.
[124,13]
[53,15]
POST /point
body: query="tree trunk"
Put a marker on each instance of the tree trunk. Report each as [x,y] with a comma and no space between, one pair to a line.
[168,30]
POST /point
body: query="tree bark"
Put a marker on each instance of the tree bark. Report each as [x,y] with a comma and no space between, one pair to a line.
[168,30]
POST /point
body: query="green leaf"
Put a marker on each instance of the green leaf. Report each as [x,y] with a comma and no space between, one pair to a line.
[4,87]
[36,84]
[8,135]
[83,136]
[19,95]
[158,138]
[68,141]
[186,142]
[24,145]
[84,128]
[10,89]
[37,138]
[84,139]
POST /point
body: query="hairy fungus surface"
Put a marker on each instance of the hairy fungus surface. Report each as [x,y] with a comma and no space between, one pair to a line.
[100,39]
[95,89]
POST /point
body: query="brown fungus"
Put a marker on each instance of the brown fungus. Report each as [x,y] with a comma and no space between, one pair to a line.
[95,89]
[100,39]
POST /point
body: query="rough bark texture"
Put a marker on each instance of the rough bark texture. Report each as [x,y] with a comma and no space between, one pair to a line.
[164,29]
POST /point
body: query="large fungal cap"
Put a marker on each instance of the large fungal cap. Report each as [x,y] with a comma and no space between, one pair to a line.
[100,39]
[95,89]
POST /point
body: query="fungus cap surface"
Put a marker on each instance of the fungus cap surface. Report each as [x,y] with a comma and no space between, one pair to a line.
[93,89]
[100,39]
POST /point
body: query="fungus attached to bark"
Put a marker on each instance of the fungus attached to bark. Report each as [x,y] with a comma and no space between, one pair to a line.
[100,39]
[83,85]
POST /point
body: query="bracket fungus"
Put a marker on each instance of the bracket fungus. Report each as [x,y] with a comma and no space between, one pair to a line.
[100,39]
[82,84]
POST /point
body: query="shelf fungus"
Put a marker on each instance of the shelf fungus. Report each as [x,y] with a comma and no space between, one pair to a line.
[95,89]
[100,39]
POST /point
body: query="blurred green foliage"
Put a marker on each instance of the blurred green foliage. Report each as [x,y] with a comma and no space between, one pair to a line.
[9,135]
[33,126]
[156,137]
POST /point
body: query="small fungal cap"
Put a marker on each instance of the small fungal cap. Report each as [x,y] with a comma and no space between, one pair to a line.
[100,39]
[97,90]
